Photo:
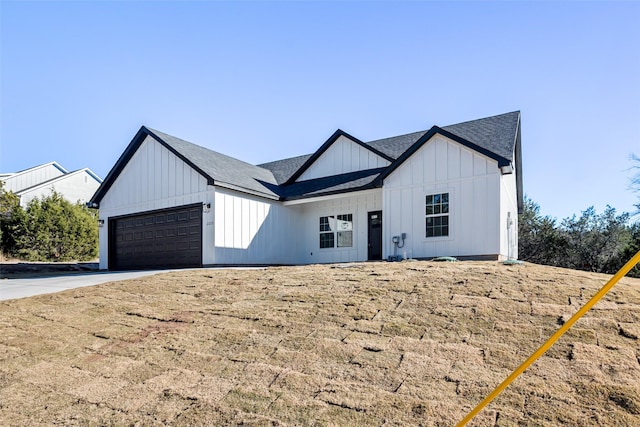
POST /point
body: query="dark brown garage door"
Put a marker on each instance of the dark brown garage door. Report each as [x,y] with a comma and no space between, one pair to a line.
[169,238]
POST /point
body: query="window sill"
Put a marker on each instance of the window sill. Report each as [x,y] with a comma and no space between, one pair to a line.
[436,239]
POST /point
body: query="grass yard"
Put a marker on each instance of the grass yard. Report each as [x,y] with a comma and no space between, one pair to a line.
[370,344]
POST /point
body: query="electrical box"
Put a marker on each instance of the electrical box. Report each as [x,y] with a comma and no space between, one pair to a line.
[395,239]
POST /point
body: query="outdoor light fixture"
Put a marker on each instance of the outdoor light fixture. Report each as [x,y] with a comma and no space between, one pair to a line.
[206,207]
[100,222]
[507,169]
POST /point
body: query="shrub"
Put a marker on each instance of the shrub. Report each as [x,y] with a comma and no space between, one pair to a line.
[53,229]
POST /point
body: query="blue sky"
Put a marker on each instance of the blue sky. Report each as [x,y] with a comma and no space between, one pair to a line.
[262,81]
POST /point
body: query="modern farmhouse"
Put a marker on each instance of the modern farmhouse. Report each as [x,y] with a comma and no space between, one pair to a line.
[447,191]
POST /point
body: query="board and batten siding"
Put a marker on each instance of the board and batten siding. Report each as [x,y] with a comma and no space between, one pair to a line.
[473,182]
[358,204]
[30,177]
[75,187]
[343,156]
[252,230]
[509,215]
[155,178]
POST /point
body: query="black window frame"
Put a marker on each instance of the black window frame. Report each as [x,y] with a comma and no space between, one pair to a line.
[437,211]
[335,238]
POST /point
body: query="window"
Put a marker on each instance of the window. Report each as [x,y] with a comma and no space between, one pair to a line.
[336,231]
[326,231]
[437,215]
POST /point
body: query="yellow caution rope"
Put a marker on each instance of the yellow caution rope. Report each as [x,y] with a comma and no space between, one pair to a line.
[616,277]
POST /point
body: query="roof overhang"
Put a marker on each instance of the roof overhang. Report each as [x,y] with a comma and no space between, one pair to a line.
[334,196]
[126,156]
[436,130]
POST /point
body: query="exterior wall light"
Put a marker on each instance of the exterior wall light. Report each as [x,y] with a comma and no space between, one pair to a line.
[206,207]
[101,223]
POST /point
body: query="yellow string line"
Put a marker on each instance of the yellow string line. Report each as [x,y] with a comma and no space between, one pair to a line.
[621,273]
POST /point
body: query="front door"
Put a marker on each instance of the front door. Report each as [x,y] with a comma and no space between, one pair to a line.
[375,236]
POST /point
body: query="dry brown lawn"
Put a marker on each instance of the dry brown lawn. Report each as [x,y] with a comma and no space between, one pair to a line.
[371,344]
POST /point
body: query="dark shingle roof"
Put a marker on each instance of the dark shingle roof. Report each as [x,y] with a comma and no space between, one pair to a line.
[352,181]
[494,136]
[221,168]
[396,145]
[283,169]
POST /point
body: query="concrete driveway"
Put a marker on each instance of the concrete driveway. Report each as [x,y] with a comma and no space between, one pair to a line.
[27,287]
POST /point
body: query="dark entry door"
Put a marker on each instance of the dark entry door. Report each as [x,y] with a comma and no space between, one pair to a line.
[168,238]
[375,235]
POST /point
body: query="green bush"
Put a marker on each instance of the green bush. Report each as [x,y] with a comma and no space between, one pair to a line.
[9,207]
[52,229]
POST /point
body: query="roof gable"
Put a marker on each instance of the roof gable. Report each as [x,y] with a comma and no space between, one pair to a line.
[44,165]
[324,147]
[217,168]
[489,135]
[26,178]
[60,179]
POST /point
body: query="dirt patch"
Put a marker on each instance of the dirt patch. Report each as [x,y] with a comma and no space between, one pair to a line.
[416,343]
[17,269]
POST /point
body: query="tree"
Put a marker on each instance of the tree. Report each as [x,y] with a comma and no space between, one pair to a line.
[539,239]
[595,242]
[53,229]
[635,180]
[9,209]
[632,248]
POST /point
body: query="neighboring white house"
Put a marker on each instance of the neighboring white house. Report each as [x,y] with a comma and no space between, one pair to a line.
[42,180]
[448,191]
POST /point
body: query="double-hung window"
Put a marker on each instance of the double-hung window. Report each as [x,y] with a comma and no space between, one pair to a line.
[336,231]
[437,215]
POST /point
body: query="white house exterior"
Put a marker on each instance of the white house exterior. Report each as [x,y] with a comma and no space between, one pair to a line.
[451,191]
[40,181]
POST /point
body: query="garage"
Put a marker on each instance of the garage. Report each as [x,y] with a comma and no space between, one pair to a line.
[168,238]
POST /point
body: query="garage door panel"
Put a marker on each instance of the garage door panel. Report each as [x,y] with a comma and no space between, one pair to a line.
[161,239]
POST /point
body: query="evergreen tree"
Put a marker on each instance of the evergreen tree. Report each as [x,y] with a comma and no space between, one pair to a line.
[52,229]
[596,242]
[632,248]
[539,239]
[9,211]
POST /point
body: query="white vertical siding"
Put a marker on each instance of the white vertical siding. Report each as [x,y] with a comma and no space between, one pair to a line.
[473,182]
[509,215]
[308,235]
[75,187]
[141,185]
[29,178]
[343,156]
[251,230]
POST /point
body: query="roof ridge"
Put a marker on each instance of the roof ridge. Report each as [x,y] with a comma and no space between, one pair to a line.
[482,118]
[285,159]
[54,163]
[397,136]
